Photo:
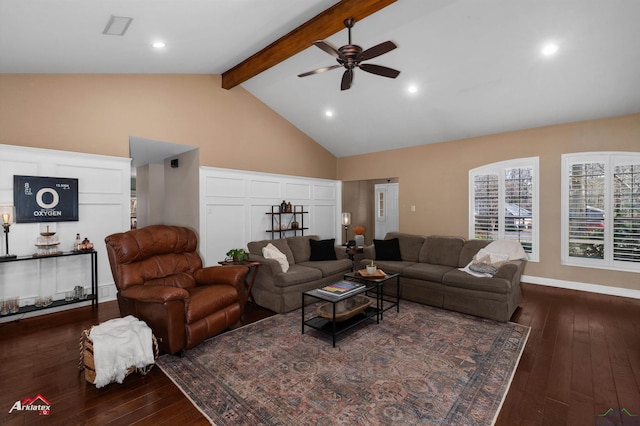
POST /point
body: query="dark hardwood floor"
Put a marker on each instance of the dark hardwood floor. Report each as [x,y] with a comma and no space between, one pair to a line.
[582,359]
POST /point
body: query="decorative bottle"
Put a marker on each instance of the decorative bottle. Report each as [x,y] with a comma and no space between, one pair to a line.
[77,242]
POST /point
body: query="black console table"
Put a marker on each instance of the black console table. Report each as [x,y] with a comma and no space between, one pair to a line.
[93,296]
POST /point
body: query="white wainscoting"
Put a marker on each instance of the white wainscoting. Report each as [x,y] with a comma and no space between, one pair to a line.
[234,204]
[104,193]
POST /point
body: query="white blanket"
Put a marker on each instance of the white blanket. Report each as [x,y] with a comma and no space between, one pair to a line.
[511,248]
[119,344]
[498,252]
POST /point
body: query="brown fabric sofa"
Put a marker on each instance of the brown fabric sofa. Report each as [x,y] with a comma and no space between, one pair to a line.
[160,280]
[282,291]
[429,274]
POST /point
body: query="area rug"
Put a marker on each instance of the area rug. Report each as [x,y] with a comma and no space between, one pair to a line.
[422,365]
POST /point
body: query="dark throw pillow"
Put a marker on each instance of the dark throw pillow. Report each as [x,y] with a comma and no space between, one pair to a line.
[387,249]
[323,249]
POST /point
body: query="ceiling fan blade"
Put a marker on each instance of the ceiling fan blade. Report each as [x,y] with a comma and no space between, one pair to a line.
[347,79]
[379,70]
[377,50]
[319,70]
[330,49]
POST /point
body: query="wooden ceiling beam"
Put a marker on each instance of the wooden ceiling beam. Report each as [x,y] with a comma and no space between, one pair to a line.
[320,27]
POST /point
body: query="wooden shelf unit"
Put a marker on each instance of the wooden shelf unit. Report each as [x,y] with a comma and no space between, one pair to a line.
[296,214]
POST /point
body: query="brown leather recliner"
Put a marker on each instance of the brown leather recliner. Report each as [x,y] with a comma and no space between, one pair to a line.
[160,280]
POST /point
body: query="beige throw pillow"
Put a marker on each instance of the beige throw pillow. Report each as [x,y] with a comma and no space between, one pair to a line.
[271,252]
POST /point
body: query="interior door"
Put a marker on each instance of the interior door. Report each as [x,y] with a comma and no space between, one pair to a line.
[386,209]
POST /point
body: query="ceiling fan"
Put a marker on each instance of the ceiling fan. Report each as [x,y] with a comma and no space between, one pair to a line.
[350,56]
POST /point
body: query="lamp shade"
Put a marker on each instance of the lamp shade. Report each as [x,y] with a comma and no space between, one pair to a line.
[7,215]
[346,219]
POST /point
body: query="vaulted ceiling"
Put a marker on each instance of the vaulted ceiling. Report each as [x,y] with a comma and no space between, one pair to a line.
[476,66]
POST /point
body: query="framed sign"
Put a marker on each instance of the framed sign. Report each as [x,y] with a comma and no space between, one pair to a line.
[45,199]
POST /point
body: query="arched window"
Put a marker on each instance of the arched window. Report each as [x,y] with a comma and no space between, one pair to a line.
[504,203]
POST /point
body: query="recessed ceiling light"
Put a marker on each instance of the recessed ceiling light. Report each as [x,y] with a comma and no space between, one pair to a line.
[159,44]
[549,49]
[328,113]
[412,89]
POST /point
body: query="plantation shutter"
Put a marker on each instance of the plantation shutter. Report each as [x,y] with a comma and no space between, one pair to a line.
[518,206]
[486,202]
[626,217]
[586,210]
[503,203]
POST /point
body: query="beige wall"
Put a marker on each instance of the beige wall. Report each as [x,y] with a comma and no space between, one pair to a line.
[434,178]
[181,189]
[150,195]
[98,113]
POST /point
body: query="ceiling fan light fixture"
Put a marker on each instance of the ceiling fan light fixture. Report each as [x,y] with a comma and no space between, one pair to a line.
[351,56]
[159,44]
[117,25]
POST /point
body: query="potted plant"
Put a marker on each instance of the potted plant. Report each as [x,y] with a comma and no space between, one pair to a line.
[238,255]
[371,268]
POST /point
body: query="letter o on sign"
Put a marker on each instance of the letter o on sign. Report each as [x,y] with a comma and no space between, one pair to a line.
[53,203]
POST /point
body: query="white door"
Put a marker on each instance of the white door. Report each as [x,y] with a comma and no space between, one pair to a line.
[386,209]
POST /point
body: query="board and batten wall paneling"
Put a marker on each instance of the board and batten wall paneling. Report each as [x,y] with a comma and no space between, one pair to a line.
[323,222]
[225,229]
[104,187]
[234,205]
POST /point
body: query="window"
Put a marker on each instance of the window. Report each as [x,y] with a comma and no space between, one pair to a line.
[504,203]
[601,210]
[380,204]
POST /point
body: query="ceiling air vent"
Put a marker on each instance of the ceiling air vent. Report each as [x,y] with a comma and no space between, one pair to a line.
[117,25]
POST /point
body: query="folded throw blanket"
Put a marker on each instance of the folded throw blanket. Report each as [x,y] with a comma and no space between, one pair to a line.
[487,261]
[119,344]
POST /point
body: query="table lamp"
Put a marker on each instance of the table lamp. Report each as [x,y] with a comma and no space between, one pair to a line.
[8,215]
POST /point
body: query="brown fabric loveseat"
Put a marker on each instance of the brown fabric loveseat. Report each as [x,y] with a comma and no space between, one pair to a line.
[282,291]
[429,274]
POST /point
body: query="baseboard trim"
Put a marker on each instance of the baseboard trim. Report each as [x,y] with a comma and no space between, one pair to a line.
[574,285]
[107,292]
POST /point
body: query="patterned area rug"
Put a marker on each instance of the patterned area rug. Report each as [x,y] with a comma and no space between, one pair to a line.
[420,366]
